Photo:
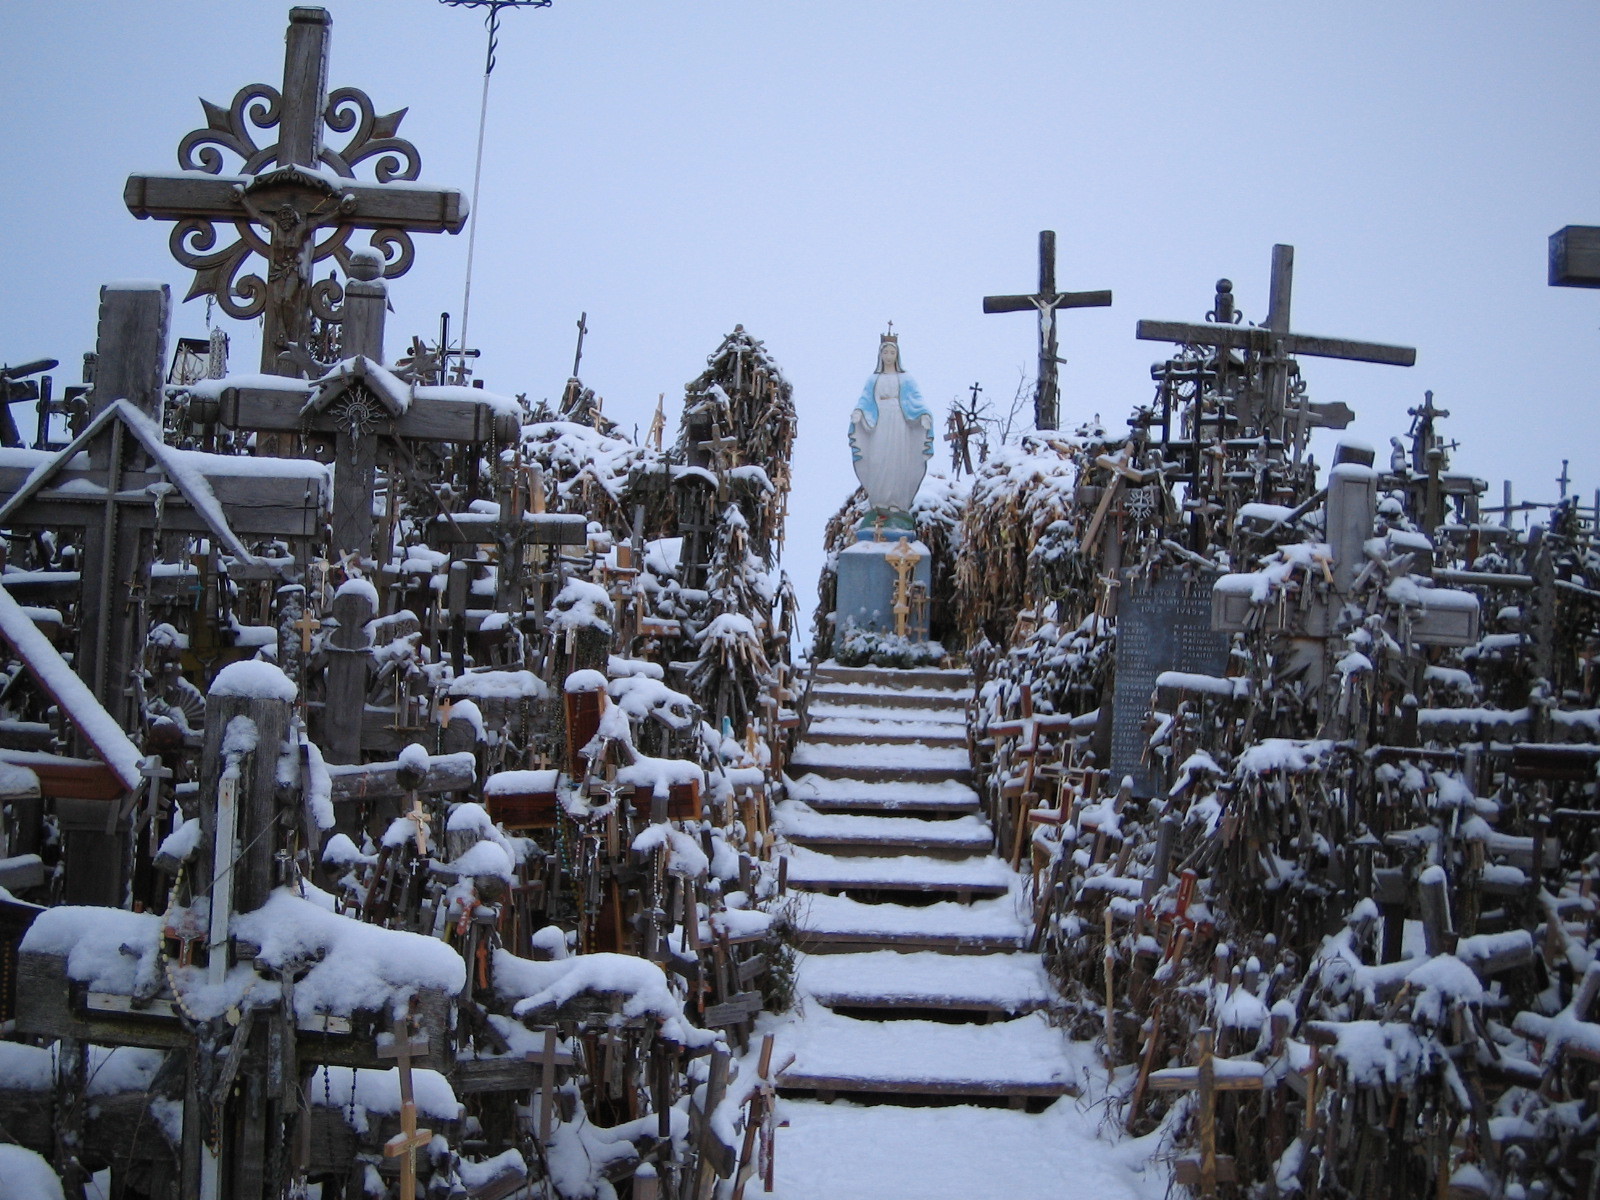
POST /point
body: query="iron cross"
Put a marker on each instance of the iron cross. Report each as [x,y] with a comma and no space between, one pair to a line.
[1274,342]
[1047,392]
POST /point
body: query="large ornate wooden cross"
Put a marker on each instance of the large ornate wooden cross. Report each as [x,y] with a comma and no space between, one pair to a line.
[1047,391]
[1273,342]
[294,202]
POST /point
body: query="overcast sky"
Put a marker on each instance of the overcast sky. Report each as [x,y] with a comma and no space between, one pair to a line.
[813,170]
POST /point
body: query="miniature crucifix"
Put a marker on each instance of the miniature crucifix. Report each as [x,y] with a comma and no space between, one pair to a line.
[1046,396]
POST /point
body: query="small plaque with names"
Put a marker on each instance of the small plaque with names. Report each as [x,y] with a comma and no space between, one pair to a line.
[1161,626]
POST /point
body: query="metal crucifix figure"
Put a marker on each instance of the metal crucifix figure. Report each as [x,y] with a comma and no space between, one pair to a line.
[1047,391]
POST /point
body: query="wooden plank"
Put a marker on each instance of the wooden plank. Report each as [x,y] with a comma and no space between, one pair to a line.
[279,410]
[803,1082]
[181,194]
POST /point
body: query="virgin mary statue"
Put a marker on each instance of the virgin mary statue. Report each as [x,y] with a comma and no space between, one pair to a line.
[891,441]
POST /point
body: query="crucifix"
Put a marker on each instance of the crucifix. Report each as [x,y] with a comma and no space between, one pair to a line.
[405,1144]
[904,560]
[1274,344]
[1047,393]
[284,204]
[447,352]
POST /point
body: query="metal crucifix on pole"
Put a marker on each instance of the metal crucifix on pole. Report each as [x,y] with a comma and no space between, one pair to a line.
[492,24]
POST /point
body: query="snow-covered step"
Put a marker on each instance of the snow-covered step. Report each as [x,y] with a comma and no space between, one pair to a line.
[1013,1059]
[851,1152]
[932,678]
[948,798]
[884,762]
[834,833]
[939,699]
[884,979]
[846,731]
[827,924]
[967,879]
[828,710]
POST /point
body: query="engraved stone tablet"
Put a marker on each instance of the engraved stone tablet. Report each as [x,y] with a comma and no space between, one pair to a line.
[1161,626]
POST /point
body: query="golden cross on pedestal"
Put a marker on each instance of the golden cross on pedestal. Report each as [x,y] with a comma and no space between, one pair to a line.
[410,1139]
[904,560]
[420,818]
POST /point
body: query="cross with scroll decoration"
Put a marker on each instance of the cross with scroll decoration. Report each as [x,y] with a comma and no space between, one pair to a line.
[294,202]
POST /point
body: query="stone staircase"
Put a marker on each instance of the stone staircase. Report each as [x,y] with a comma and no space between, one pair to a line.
[914,986]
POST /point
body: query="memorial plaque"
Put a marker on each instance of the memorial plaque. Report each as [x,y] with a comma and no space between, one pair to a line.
[1161,626]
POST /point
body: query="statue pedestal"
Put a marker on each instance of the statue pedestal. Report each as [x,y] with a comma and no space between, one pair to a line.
[865,594]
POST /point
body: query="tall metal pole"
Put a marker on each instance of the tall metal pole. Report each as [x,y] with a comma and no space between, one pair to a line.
[492,23]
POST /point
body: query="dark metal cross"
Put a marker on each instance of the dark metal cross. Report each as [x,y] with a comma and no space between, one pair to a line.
[1047,392]
[1273,342]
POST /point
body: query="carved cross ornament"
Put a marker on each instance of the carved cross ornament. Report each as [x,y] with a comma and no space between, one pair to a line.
[294,202]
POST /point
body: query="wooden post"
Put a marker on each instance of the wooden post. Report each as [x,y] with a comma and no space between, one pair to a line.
[346,696]
[547,1087]
[1111,995]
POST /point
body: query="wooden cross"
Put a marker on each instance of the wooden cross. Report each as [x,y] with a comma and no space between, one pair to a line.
[904,560]
[1209,1168]
[405,1144]
[1046,396]
[1274,343]
[284,205]
[307,625]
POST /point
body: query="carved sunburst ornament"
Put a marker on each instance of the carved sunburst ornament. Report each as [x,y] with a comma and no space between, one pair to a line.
[1140,503]
[358,414]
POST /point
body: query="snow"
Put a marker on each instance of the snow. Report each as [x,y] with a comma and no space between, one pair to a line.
[319,787]
[25,1175]
[182,841]
[499,685]
[685,857]
[1025,1051]
[544,986]
[27,1068]
[485,858]
[354,965]
[520,783]
[882,794]
[657,776]
[584,681]
[416,759]
[1008,981]
[794,818]
[57,677]
[357,586]
[107,949]
[378,1092]
[254,680]
[988,919]
[845,1151]
[882,754]
[812,867]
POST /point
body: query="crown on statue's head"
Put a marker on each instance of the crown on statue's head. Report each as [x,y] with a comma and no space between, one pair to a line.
[891,336]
